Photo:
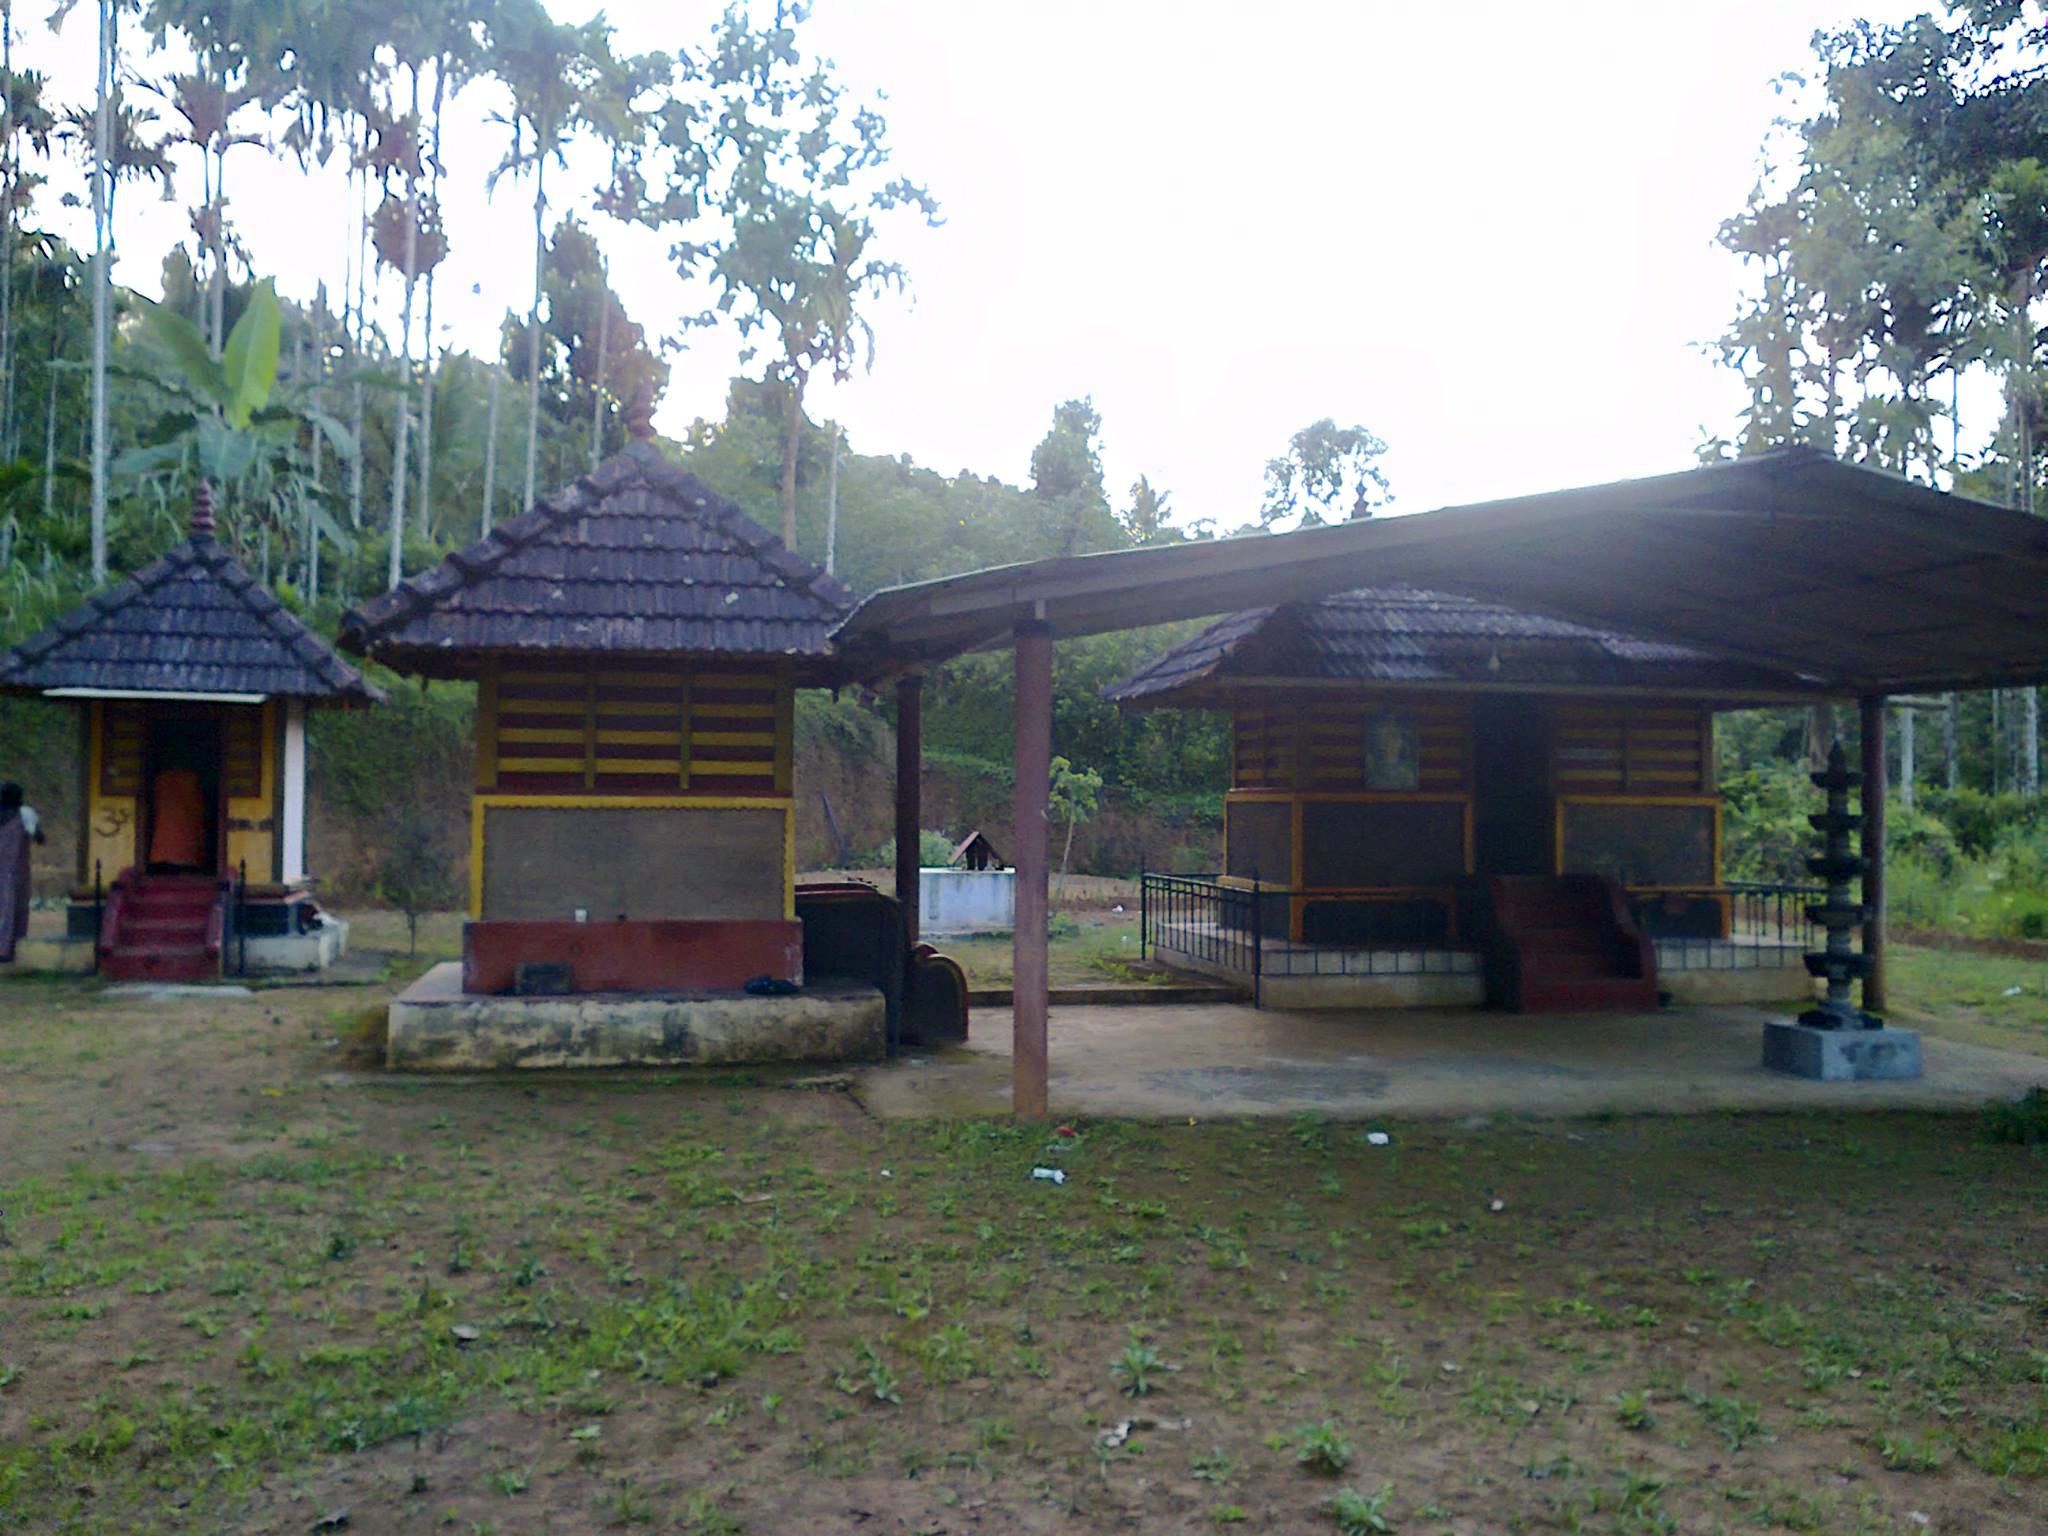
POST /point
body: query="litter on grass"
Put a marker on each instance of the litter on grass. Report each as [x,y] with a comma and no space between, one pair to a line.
[1377,1138]
[1050,1175]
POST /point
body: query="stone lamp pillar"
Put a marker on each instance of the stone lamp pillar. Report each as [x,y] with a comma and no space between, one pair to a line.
[1838,863]
[1836,1041]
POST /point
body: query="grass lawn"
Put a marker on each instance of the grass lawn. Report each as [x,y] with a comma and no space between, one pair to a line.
[247,1285]
[1968,995]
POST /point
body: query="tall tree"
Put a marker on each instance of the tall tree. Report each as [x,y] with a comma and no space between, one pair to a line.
[1328,474]
[564,79]
[799,185]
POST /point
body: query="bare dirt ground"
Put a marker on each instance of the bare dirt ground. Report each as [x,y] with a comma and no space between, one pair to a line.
[247,1284]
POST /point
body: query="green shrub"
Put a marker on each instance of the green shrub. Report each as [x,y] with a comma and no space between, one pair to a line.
[1911,833]
[2023,1121]
[934,850]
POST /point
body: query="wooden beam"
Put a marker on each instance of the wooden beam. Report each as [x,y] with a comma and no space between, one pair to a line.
[909,800]
[1030,838]
[1873,712]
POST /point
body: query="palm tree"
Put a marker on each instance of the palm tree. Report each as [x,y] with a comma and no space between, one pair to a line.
[563,78]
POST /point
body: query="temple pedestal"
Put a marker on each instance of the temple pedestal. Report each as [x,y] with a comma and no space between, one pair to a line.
[1841,1055]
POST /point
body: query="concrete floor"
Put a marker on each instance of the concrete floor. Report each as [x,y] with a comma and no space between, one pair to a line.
[1229,1059]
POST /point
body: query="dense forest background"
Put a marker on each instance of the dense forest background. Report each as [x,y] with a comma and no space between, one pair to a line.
[1894,244]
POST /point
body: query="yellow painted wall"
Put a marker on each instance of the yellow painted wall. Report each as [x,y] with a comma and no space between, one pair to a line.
[112,821]
[252,819]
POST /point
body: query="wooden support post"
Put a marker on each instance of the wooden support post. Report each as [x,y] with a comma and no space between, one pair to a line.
[1030,839]
[1873,853]
[909,799]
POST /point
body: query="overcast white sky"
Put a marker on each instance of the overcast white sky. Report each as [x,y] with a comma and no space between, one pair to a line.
[1484,230]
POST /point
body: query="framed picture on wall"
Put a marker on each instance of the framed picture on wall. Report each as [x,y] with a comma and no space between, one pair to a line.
[1393,752]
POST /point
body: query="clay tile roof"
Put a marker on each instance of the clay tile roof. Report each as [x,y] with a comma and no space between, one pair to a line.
[636,557]
[191,622]
[1407,635]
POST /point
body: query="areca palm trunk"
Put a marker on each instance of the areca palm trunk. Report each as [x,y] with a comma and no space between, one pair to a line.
[102,218]
[426,497]
[491,447]
[604,325]
[399,430]
[540,272]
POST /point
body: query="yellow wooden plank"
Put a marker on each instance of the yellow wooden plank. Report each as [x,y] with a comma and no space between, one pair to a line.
[590,732]
[534,733]
[539,765]
[683,737]
[735,711]
[487,726]
[510,705]
[733,739]
[640,765]
[785,724]
[639,738]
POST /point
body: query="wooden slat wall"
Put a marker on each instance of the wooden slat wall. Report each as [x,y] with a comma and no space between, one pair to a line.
[1633,749]
[696,730]
[242,751]
[125,734]
[1328,735]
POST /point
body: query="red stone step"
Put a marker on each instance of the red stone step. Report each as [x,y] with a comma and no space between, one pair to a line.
[160,962]
[1614,994]
[1580,965]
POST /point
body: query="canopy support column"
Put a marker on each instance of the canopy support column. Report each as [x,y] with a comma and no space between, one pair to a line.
[909,800]
[1873,711]
[1030,837]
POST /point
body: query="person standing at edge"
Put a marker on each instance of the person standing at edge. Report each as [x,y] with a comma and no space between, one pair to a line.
[17,829]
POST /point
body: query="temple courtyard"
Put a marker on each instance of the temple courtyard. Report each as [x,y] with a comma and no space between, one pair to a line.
[250,1281]
[1173,1062]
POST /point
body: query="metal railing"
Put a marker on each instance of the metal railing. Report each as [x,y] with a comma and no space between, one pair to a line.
[1240,928]
[1768,929]
[1213,924]
[1216,926]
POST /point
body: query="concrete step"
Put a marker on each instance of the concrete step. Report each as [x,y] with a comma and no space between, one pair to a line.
[1628,994]
[1569,965]
[159,962]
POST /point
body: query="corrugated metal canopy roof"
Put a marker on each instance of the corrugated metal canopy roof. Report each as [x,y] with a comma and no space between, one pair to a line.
[1790,560]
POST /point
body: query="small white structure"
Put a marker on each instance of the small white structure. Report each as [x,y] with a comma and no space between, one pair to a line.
[952,901]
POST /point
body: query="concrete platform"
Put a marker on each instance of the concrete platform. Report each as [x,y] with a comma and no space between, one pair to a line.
[1843,1055]
[288,953]
[434,1026]
[1415,1064]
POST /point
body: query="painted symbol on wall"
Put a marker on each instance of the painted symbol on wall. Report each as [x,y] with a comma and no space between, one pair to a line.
[1393,752]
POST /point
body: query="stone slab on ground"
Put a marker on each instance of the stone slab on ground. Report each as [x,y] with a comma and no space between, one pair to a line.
[1842,1055]
[286,953]
[434,1026]
[1443,1063]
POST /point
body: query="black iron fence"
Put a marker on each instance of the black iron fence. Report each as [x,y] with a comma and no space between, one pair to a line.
[1774,912]
[1240,929]
[1214,926]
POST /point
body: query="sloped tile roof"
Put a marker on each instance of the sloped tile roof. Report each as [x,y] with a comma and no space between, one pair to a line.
[637,557]
[1407,635]
[191,622]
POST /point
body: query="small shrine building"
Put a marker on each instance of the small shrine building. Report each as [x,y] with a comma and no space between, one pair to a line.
[191,682]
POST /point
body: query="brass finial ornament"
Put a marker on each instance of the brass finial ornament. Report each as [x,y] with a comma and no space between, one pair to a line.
[640,414]
[202,510]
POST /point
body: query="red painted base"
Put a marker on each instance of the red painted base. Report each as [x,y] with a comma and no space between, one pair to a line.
[650,955]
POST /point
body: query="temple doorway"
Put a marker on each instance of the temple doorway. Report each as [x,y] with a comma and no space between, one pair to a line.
[182,768]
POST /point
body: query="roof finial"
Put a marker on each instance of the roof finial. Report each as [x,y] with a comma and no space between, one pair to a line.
[640,413]
[202,510]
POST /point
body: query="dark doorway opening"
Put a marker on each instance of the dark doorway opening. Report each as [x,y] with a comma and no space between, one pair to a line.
[184,826]
[1512,830]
